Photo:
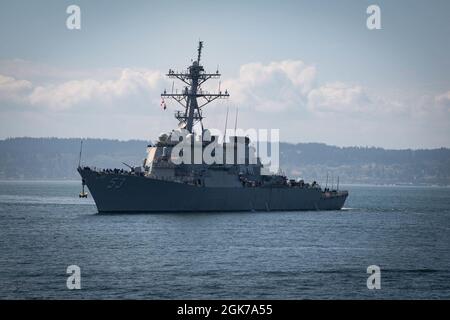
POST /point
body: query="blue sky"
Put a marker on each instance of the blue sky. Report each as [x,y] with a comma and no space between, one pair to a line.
[310,68]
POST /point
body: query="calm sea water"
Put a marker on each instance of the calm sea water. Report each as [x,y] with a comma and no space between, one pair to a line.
[44,228]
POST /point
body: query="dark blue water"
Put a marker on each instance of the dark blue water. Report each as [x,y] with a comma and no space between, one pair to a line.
[44,228]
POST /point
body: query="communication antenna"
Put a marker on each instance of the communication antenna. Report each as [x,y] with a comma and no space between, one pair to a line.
[226,122]
[235,120]
[338,184]
[200,46]
[82,194]
[326,184]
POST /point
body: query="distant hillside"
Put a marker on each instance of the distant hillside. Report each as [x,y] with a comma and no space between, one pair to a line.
[54,158]
[366,165]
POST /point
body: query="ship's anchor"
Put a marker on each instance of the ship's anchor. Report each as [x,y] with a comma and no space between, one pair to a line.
[83,194]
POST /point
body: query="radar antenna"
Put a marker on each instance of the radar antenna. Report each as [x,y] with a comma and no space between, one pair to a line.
[193,78]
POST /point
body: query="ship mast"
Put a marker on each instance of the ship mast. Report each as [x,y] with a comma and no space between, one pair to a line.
[193,78]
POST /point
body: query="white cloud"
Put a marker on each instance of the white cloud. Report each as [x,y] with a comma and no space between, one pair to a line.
[13,89]
[272,87]
[283,94]
[268,88]
[443,100]
[292,84]
[339,97]
[12,85]
[71,93]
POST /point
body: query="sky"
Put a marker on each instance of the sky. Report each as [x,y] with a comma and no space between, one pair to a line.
[311,69]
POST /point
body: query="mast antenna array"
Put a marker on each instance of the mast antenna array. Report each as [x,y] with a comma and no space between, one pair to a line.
[193,78]
[200,46]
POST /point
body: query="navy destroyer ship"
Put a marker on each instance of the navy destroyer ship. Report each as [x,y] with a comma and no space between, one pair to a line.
[163,184]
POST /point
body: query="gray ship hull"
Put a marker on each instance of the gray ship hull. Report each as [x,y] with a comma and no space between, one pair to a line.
[121,193]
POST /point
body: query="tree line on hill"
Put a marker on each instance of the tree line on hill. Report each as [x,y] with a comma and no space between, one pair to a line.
[57,158]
